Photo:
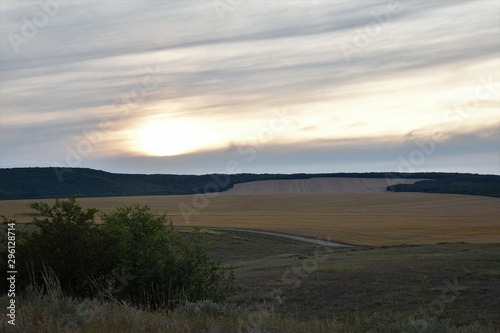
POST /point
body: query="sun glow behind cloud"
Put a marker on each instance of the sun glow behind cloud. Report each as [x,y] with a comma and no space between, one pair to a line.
[169,138]
[222,81]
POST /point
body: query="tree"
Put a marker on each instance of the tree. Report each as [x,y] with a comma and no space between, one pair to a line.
[157,266]
[135,256]
[69,243]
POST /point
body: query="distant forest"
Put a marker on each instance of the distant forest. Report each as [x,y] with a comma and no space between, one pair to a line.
[40,183]
[485,185]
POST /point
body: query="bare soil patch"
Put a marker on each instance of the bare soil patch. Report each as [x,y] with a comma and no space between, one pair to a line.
[318,185]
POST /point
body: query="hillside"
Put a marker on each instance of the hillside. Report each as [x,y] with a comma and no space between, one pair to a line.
[39,183]
[318,185]
[486,185]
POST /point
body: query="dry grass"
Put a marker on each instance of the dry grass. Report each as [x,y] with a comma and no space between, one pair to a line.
[39,314]
[353,218]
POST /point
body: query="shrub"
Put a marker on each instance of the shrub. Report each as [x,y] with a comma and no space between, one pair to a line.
[68,243]
[157,266]
[135,256]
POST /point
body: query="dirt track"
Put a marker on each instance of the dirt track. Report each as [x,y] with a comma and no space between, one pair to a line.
[318,185]
[311,240]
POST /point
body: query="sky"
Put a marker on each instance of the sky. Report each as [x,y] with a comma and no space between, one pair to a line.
[231,86]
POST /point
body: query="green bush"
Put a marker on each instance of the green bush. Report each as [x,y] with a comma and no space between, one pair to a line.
[157,266]
[135,256]
[68,243]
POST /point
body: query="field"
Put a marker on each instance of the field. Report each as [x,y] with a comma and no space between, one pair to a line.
[319,282]
[353,218]
[289,286]
[420,263]
[318,185]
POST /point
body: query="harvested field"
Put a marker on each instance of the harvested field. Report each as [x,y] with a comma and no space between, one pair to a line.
[352,218]
[318,185]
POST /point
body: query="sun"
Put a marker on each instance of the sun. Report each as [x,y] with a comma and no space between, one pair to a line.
[169,138]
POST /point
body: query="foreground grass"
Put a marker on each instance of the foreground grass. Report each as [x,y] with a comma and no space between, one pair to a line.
[289,286]
[56,313]
[456,281]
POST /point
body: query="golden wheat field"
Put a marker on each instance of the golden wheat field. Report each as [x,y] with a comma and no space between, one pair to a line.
[352,218]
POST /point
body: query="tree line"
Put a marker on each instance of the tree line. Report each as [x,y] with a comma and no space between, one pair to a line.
[42,183]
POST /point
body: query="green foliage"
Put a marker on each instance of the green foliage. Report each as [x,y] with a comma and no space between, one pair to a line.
[198,276]
[70,244]
[135,256]
[158,267]
[38,183]
[485,185]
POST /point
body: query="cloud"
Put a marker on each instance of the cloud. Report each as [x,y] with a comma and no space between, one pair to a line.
[456,152]
[231,73]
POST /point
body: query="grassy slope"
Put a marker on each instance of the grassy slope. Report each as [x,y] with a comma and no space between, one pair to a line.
[314,290]
[323,282]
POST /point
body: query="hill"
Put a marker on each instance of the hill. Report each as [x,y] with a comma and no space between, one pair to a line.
[318,185]
[487,185]
[40,183]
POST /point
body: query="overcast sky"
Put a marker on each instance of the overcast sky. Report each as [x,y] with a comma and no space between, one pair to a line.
[251,86]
